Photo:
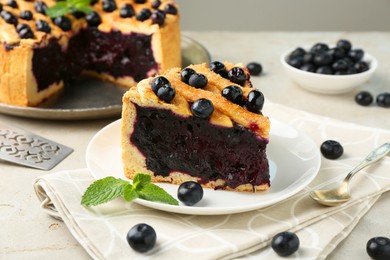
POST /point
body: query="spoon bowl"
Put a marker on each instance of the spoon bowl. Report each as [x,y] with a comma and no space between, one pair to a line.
[340,194]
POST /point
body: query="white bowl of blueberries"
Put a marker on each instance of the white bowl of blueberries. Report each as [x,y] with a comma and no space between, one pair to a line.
[329,70]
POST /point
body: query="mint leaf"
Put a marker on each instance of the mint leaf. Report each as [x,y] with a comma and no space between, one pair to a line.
[140,180]
[65,7]
[130,193]
[103,190]
[153,192]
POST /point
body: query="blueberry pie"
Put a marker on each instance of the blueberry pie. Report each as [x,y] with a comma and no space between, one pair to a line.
[202,123]
[120,41]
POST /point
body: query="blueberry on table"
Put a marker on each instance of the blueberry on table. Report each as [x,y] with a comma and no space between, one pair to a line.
[378,248]
[234,94]
[141,237]
[285,243]
[190,193]
[345,45]
[331,149]
[202,108]
[364,98]
[383,99]
[254,68]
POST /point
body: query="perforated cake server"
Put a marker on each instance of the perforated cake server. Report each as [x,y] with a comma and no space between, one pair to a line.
[25,148]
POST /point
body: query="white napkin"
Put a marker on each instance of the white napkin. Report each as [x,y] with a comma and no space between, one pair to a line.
[102,230]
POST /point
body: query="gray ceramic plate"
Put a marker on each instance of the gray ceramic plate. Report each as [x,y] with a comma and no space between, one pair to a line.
[90,98]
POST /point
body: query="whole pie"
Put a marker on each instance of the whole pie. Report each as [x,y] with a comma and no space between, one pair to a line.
[120,41]
[201,123]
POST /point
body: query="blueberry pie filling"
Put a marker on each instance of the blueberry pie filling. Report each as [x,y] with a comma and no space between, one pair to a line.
[216,137]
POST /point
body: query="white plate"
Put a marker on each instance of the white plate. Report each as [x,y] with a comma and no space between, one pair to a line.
[89,98]
[293,157]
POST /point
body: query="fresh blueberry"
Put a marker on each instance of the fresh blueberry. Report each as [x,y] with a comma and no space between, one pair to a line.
[308,67]
[24,31]
[109,6]
[296,62]
[198,80]
[361,66]
[42,26]
[285,243]
[126,11]
[158,17]
[383,99]
[323,58]
[93,19]
[202,108]
[345,45]
[364,98]
[12,3]
[237,75]
[331,149]
[218,67]
[186,73]
[319,47]
[341,72]
[166,93]
[255,101]
[351,70]
[170,9]
[298,52]
[9,17]
[234,94]
[378,248]
[308,58]
[143,15]
[254,68]
[141,237]
[190,193]
[156,4]
[26,15]
[63,22]
[40,7]
[340,65]
[356,54]
[327,70]
[337,53]
[158,82]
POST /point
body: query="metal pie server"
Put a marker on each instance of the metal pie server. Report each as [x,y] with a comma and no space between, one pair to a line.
[24,148]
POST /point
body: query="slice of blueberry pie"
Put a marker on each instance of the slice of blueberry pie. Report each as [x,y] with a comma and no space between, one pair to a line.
[200,123]
[120,41]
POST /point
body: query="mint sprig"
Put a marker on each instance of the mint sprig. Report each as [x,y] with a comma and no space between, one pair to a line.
[109,188]
[65,7]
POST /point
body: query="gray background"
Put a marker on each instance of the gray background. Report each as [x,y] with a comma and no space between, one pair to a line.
[285,15]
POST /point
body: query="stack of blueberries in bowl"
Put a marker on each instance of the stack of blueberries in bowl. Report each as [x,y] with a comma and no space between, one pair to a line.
[330,70]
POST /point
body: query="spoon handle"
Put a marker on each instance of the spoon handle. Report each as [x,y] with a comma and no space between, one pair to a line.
[374,156]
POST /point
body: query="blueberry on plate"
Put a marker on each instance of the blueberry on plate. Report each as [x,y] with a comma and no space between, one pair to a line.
[331,149]
[364,98]
[378,248]
[285,243]
[141,237]
[202,108]
[190,193]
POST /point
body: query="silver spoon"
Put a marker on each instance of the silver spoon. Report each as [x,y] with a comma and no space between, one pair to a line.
[339,195]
